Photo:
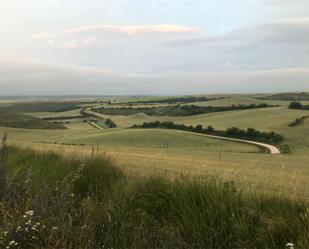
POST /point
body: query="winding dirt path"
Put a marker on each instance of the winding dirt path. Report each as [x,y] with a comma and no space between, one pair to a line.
[272,149]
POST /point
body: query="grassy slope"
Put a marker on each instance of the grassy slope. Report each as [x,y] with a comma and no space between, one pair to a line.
[70,113]
[43,106]
[269,119]
[17,120]
[166,139]
[88,203]
[160,139]
[289,96]
[190,155]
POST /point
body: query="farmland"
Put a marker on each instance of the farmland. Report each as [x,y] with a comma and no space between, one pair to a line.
[166,170]
[172,152]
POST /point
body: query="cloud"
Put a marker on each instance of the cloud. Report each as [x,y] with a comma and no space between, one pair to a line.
[293,31]
[283,43]
[30,77]
[83,43]
[289,2]
[42,36]
[95,35]
[133,29]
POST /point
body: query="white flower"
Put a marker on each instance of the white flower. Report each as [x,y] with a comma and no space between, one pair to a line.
[290,245]
[30,212]
[54,228]
[12,243]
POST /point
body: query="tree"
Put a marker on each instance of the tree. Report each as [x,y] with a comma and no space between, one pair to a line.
[295,105]
[210,129]
[199,128]
[110,123]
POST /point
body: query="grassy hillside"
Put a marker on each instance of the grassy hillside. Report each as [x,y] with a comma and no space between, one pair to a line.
[17,120]
[160,139]
[53,201]
[288,96]
[176,111]
[42,106]
[270,119]
[70,113]
[171,100]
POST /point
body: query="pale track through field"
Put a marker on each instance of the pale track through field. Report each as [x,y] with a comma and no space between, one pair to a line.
[272,149]
[97,126]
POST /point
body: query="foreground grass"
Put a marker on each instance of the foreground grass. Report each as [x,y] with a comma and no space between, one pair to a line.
[51,201]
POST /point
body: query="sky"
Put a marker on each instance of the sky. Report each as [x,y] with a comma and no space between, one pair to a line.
[157,47]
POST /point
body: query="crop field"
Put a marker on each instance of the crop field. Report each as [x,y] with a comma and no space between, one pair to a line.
[71,113]
[150,151]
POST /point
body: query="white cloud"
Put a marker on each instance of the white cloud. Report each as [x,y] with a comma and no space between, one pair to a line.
[76,44]
[42,36]
[133,29]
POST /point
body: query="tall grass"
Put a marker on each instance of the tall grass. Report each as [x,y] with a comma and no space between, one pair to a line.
[69,202]
[3,164]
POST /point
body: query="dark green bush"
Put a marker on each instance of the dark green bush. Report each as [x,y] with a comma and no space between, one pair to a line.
[233,132]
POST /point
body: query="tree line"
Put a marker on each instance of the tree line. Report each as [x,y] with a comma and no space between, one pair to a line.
[176,110]
[298,121]
[188,99]
[233,132]
[298,105]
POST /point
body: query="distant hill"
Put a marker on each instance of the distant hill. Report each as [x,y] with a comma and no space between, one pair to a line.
[18,120]
[288,96]
[178,110]
[48,106]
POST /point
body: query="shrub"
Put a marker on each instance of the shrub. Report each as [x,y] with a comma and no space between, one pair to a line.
[295,105]
[298,121]
[110,123]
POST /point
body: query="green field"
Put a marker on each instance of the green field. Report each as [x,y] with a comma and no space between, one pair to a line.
[172,152]
[19,120]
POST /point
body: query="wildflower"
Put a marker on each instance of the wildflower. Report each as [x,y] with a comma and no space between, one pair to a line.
[54,228]
[290,246]
[12,243]
[30,213]
[109,218]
